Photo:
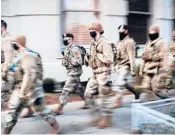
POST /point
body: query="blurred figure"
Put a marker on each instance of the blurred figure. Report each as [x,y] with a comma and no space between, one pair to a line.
[154,68]
[29,110]
[172,50]
[72,61]
[125,64]
[28,87]
[100,60]
[7,54]
[172,46]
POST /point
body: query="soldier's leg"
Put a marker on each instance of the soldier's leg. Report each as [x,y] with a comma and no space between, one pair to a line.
[80,91]
[47,115]
[27,112]
[6,88]
[90,92]
[104,90]
[37,93]
[121,85]
[147,94]
[69,87]
[15,106]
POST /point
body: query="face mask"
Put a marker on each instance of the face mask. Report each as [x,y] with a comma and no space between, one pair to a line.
[15,47]
[93,34]
[65,42]
[122,35]
[153,36]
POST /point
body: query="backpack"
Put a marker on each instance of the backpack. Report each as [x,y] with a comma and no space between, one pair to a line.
[39,64]
[83,53]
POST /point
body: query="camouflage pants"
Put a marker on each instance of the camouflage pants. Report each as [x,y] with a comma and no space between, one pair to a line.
[16,105]
[72,84]
[99,84]
[121,74]
[6,88]
[147,80]
[121,78]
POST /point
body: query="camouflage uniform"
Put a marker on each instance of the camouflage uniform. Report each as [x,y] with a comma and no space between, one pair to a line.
[125,60]
[154,61]
[27,83]
[100,59]
[7,55]
[74,71]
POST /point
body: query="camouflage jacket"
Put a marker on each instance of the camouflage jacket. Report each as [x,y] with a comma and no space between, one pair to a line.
[7,52]
[25,70]
[72,60]
[125,56]
[155,57]
[101,56]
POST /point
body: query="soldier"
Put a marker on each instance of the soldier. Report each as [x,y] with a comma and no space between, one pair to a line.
[125,63]
[29,110]
[7,54]
[72,61]
[172,50]
[28,88]
[154,68]
[100,60]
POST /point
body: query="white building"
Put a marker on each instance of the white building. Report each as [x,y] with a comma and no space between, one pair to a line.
[43,21]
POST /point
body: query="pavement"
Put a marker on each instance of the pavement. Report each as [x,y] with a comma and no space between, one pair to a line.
[74,120]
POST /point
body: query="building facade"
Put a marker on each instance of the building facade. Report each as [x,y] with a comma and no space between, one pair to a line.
[43,22]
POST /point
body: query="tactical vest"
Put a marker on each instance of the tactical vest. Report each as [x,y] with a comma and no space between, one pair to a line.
[19,73]
[68,53]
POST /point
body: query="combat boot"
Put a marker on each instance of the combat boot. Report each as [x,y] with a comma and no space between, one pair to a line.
[95,118]
[58,109]
[56,128]
[106,121]
[85,106]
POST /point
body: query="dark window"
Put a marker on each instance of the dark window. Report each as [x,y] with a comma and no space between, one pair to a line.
[137,24]
[138,20]
[139,5]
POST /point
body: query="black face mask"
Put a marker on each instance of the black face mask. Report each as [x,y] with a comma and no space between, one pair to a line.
[15,47]
[153,36]
[93,34]
[122,35]
[65,42]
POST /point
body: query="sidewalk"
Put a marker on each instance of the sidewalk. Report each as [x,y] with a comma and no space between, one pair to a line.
[73,121]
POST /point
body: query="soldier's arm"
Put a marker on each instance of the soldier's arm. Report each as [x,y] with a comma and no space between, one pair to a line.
[131,54]
[29,68]
[107,56]
[8,53]
[76,59]
[142,64]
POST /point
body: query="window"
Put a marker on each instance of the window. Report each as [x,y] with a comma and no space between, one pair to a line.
[138,20]
[77,15]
